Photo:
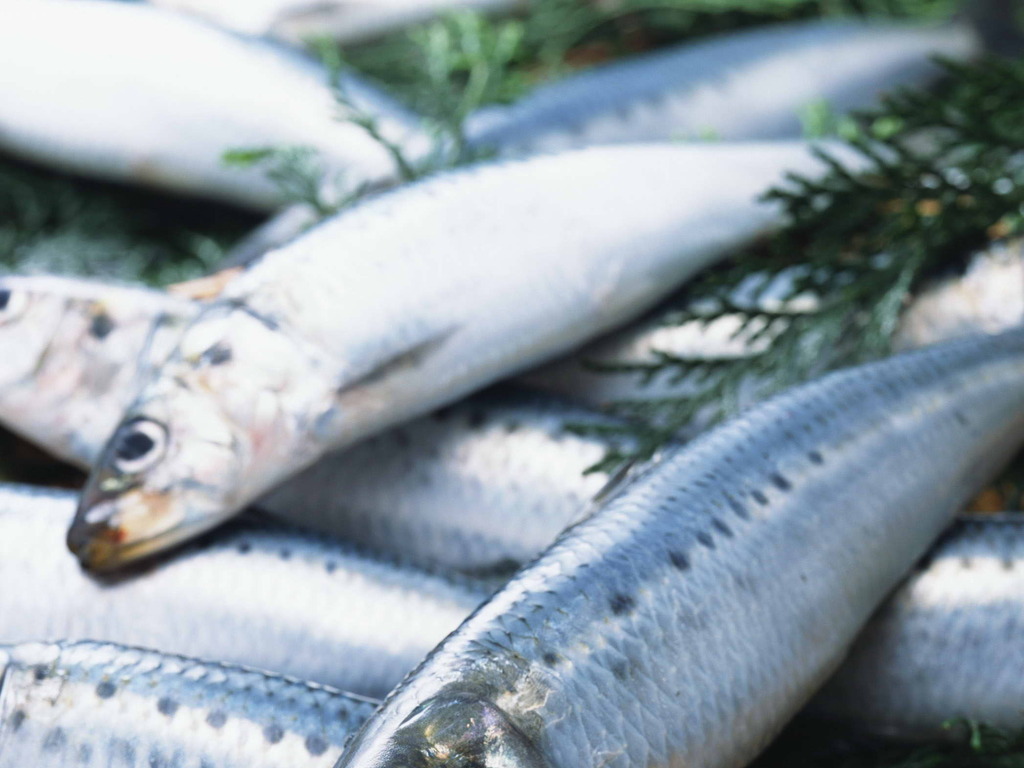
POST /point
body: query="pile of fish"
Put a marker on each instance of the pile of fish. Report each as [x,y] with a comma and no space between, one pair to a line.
[350,466]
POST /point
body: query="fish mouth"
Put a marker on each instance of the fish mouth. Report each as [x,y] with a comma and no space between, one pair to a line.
[102,548]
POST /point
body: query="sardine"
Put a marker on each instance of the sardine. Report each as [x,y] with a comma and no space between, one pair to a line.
[109,94]
[96,705]
[480,485]
[947,644]
[686,620]
[745,85]
[345,21]
[306,352]
[748,85]
[75,352]
[262,596]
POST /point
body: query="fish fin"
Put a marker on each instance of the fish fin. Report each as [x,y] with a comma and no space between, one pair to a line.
[205,288]
[403,359]
[619,480]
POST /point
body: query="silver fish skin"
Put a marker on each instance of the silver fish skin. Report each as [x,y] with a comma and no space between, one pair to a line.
[306,353]
[477,486]
[75,352]
[263,597]
[124,104]
[946,644]
[684,622]
[987,298]
[345,21]
[744,85]
[96,705]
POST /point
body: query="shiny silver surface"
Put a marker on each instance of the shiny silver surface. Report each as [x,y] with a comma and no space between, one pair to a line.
[260,596]
[97,705]
[685,621]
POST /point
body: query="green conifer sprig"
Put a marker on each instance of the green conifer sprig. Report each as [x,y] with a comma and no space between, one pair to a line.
[944,177]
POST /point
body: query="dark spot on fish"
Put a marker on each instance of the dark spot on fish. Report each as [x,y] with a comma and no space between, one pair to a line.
[127,750]
[17,718]
[286,554]
[739,509]
[218,354]
[84,754]
[101,325]
[816,457]
[705,538]
[477,419]
[961,418]
[133,445]
[330,566]
[759,497]
[157,759]
[343,714]
[40,673]
[55,740]
[679,560]
[5,296]
[167,706]
[105,690]
[722,527]
[621,604]
[550,659]
[216,719]
[315,745]
[244,548]
[780,482]
[619,669]
[273,733]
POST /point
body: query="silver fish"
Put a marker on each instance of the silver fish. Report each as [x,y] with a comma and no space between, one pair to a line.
[686,620]
[744,85]
[747,86]
[343,20]
[260,596]
[75,352]
[96,705]
[988,297]
[481,485]
[947,644]
[123,103]
[305,352]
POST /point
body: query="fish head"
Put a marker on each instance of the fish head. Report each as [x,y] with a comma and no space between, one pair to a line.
[31,318]
[211,431]
[449,730]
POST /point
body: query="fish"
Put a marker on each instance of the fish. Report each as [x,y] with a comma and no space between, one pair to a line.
[258,595]
[345,21]
[693,613]
[479,487]
[99,704]
[742,86]
[746,85]
[305,352]
[96,699]
[76,351]
[988,297]
[944,646]
[124,105]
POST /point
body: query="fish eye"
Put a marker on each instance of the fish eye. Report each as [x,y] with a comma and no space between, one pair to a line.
[139,445]
[12,304]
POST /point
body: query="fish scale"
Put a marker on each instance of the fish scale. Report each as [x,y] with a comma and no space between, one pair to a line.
[776,534]
[95,704]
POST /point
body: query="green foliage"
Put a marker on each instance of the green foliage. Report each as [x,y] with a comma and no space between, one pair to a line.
[54,223]
[944,177]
